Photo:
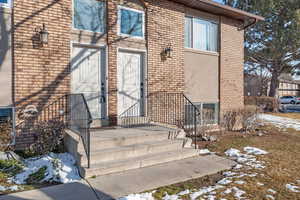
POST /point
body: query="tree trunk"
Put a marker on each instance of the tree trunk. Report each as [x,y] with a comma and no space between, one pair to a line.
[274,84]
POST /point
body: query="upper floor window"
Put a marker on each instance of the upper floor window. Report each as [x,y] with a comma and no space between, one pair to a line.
[5,3]
[131,22]
[201,34]
[89,15]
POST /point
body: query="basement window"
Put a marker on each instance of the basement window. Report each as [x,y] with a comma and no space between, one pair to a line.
[89,15]
[131,22]
[209,113]
[201,34]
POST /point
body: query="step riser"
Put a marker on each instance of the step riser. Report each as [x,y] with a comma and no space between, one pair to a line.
[138,150]
[135,165]
[117,142]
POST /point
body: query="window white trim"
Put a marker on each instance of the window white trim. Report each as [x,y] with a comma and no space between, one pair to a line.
[119,22]
[104,20]
[6,5]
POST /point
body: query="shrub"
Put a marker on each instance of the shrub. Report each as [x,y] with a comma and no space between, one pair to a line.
[10,167]
[38,176]
[244,119]
[48,138]
[266,104]
[5,135]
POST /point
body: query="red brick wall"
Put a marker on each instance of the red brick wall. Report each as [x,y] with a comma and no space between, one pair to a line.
[41,74]
[231,65]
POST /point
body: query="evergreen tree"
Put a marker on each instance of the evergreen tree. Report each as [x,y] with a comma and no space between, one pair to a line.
[273,44]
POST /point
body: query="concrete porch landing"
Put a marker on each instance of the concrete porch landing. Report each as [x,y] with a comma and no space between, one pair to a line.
[113,186]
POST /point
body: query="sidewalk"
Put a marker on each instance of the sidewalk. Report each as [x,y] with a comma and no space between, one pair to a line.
[113,186]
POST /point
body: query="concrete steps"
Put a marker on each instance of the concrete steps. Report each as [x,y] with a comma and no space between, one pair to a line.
[118,150]
[103,168]
[134,150]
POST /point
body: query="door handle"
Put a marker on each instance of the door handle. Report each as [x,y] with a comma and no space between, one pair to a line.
[102,99]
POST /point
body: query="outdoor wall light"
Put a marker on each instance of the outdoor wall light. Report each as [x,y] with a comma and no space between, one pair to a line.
[168,51]
[43,34]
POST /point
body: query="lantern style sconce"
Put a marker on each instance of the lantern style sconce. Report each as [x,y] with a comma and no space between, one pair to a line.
[168,51]
[43,34]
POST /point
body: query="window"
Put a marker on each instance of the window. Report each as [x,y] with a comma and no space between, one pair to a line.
[131,22]
[201,34]
[89,15]
[7,124]
[5,3]
[209,113]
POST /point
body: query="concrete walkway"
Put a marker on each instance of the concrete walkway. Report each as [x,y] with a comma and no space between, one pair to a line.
[113,186]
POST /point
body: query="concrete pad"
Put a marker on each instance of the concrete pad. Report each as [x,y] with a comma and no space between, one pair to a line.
[71,191]
[139,180]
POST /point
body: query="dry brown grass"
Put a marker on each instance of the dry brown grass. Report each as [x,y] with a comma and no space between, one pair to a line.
[282,166]
[283,162]
[288,115]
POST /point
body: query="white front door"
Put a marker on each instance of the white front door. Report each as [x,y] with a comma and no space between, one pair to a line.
[130,82]
[88,78]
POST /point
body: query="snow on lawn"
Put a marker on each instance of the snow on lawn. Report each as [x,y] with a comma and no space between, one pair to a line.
[292,188]
[60,168]
[143,196]
[281,122]
[246,159]
[204,151]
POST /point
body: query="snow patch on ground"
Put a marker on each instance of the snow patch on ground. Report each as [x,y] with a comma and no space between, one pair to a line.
[271,191]
[60,168]
[246,158]
[143,196]
[204,151]
[204,190]
[281,122]
[11,188]
[292,188]
[254,151]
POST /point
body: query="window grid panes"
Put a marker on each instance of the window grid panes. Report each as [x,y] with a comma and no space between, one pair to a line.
[89,15]
[201,34]
[209,113]
[131,23]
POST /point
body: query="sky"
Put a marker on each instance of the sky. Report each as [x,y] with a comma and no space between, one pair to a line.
[219,1]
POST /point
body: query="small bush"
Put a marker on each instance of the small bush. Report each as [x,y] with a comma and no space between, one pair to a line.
[244,119]
[48,138]
[5,135]
[266,104]
[10,167]
[37,177]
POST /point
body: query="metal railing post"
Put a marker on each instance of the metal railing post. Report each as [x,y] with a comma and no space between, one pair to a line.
[195,127]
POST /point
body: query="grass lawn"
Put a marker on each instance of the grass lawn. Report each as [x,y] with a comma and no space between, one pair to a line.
[282,166]
[289,115]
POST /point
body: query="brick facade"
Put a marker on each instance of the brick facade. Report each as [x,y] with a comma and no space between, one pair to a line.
[43,73]
[231,65]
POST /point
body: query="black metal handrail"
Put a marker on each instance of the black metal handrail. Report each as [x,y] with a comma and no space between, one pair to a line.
[79,120]
[71,110]
[162,108]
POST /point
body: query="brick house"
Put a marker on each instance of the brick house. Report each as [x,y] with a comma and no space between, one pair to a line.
[117,52]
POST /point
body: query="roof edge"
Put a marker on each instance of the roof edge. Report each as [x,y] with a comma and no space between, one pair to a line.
[235,10]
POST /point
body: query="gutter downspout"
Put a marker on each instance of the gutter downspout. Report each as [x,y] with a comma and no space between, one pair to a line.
[248,25]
